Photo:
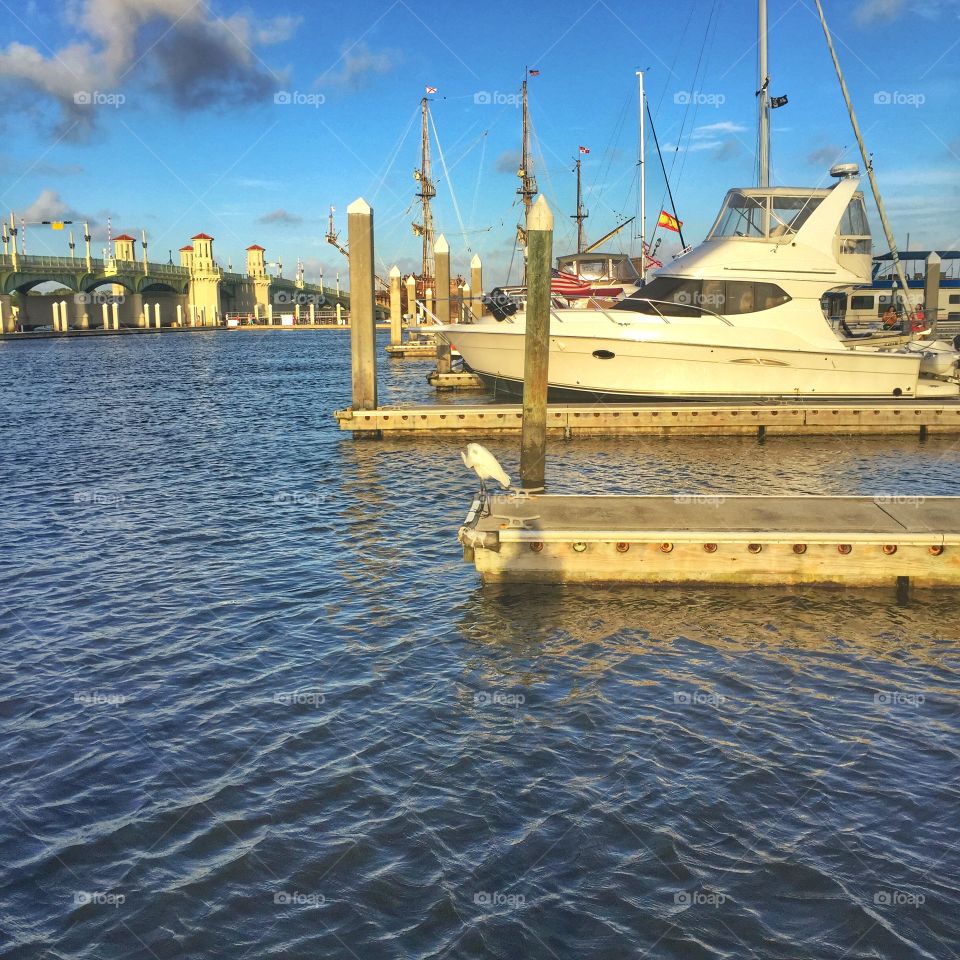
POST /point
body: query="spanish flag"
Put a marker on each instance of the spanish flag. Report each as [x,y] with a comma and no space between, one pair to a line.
[668,222]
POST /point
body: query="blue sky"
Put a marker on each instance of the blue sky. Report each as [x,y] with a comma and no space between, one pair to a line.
[184,132]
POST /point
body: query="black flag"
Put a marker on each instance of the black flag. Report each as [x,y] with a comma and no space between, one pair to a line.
[778,102]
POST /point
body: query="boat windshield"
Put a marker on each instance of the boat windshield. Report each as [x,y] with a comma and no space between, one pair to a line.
[763,216]
[684,297]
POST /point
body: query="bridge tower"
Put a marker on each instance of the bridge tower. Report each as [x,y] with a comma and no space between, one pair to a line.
[257,271]
[123,248]
[204,282]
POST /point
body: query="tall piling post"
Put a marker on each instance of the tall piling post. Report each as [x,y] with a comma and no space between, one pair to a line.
[466,302]
[106,316]
[363,329]
[428,305]
[476,285]
[396,309]
[412,299]
[931,289]
[441,254]
[536,356]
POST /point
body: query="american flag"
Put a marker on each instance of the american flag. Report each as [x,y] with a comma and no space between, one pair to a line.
[568,284]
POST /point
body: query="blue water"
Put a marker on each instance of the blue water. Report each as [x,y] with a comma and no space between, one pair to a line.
[253,703]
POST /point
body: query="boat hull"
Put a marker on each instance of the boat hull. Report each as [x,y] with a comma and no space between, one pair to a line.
[595,367]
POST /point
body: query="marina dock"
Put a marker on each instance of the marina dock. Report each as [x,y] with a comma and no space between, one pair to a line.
[760,419]
[836,541]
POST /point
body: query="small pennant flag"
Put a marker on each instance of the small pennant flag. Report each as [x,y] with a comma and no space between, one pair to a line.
[534,73]
[668,222]
[778,102]
[431,89]
[584,149]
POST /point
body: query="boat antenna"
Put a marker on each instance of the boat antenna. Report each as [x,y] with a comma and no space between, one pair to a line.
[868,164]
[581,214]
[425,193]
[643,181]
[666,179]
[763,101]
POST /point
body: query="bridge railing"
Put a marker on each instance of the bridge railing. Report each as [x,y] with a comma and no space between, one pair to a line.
[32,263]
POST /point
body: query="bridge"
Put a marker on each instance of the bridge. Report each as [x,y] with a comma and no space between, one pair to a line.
[125,291]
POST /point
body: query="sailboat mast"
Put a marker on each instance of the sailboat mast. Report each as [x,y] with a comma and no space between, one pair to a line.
[868,164]
[643,181]
[763,102]
[580,215]
[426,193]
[528,182]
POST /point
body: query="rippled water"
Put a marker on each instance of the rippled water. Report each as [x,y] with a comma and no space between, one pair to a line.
[252,703]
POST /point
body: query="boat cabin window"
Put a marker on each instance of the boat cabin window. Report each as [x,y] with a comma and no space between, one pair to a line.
[861,303]
[680,297]
[854,222]
[954,298]
[763,217]
[588,269]
[741,217]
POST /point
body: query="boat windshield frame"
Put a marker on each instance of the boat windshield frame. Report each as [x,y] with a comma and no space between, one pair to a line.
[763,213]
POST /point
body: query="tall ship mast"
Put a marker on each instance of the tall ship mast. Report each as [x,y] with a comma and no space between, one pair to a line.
[425,193]
[528,182]
[581,214]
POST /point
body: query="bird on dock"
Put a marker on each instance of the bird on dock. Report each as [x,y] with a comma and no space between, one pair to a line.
[486,466]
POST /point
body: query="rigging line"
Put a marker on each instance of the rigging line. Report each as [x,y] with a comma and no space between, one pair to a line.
[476,187]
[696,80]
[607,158]
[708,46]
[676,55]
[673,206]
[396,151]
[453,196]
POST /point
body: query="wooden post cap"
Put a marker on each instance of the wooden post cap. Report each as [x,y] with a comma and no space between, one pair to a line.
[394,273]
[360,206]
[441,246]
[541,216]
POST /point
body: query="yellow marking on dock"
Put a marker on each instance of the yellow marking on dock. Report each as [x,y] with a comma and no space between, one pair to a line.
[855,541]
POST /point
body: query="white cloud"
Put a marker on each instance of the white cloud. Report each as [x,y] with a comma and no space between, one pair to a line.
[357,65]
[49,205]
[712,130]
[198,60]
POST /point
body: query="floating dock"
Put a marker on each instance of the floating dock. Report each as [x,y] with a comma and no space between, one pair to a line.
[412,350]
[917,418]
[896,542]
[455,380]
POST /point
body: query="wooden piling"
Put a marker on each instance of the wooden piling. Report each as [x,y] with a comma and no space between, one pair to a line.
[441,253]
[931,288]
[396,311]
[412,299]
[362,312]
[533,439]
[476,285]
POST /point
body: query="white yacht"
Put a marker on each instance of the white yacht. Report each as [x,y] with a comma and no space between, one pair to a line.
[740,315]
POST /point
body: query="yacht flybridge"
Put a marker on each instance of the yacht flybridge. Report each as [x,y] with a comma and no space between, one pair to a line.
[739,315]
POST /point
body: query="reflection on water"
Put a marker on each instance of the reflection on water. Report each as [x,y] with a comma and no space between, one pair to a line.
[253,702]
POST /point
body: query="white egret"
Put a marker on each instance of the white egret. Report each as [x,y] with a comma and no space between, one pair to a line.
[486,466]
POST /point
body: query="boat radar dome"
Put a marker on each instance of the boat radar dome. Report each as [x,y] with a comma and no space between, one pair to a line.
[844,171]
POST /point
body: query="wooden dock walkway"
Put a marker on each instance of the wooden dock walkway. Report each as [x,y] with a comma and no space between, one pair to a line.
[412,350]
[916,417]
[841,541]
